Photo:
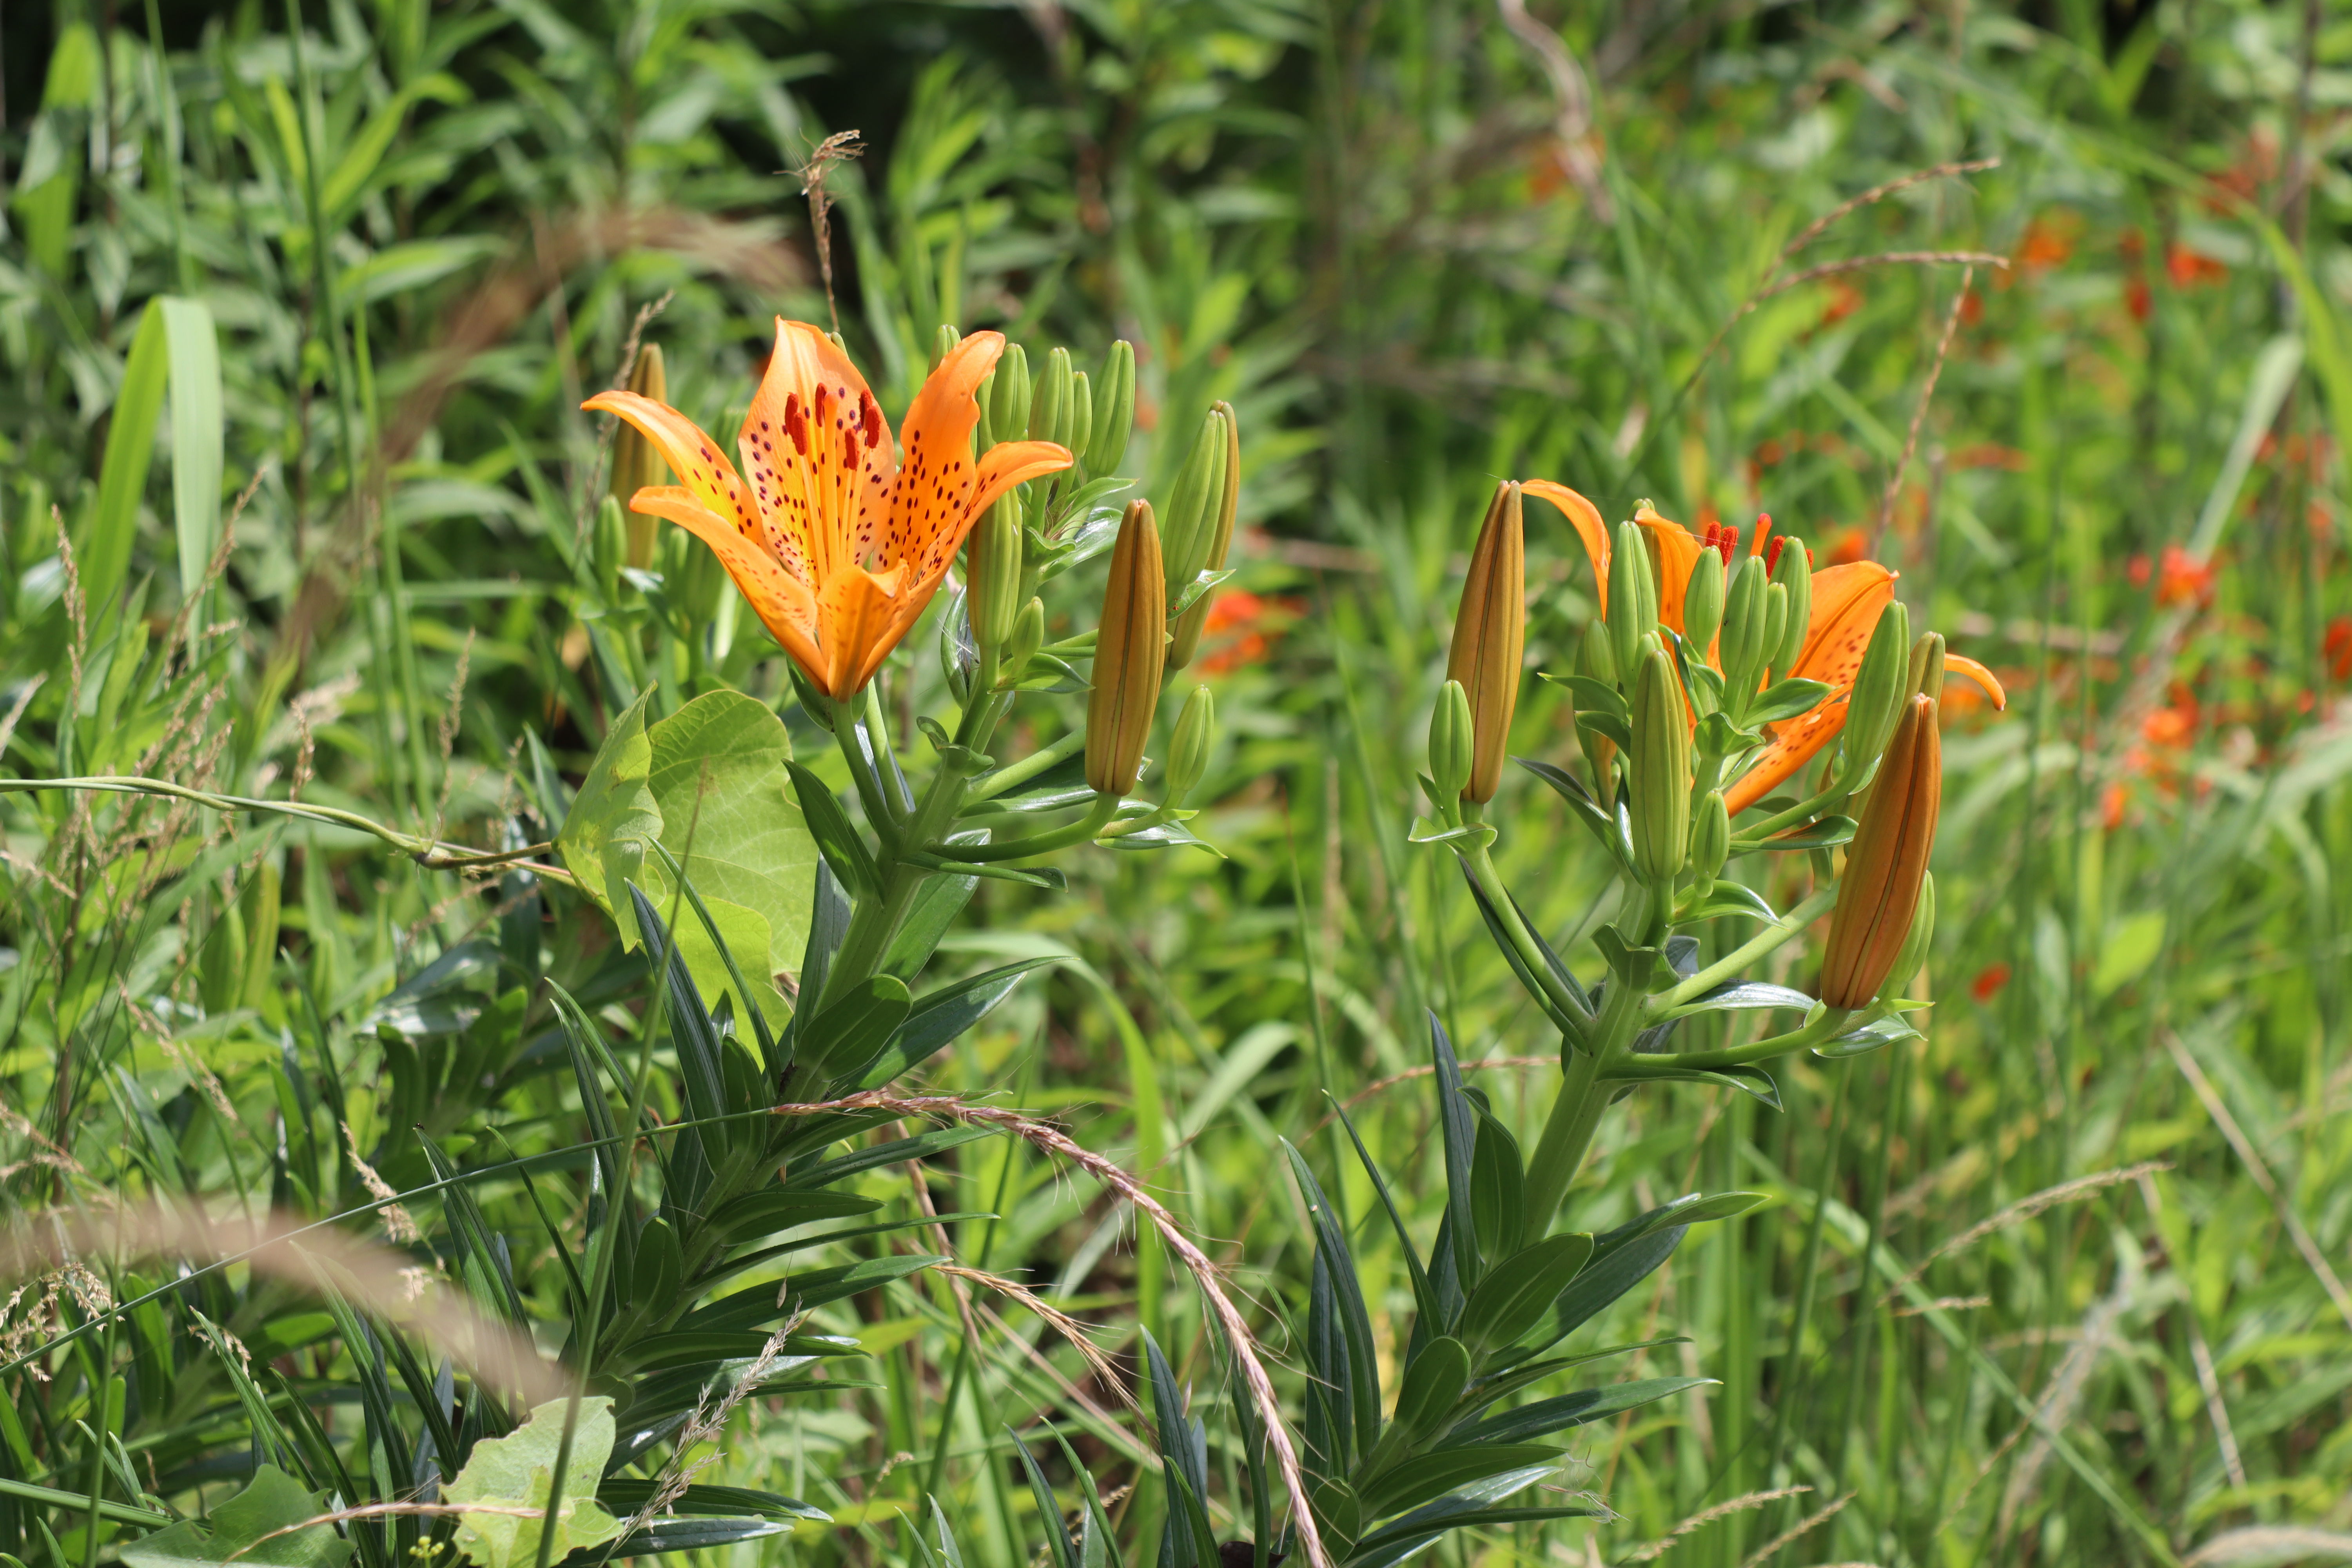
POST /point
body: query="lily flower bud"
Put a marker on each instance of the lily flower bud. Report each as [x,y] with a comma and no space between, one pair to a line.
[1597,657]
[1129,649]
[1009,412]
[1876,704]
[1703,603]
[1192,521]
[1450,729]
[636,461]
[1886,864]
[1927,666]
[1776,627]
[1710,840]
[1049,402]
[1793,570]
[1079,419]
[1632,597]
[1220,534]
[1660,767]
[1490,633]
[943,343]
[992,574]
[611,546]
[1028,635]
[1741,654]
[1114,416]
[1187,753]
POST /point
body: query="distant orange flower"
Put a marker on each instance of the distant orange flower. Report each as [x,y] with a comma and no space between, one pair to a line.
[2337,646]
[1845,301]
[1971,308]
[2183,578]
[2188,268]
[2112,801]
[1989,981]
[1992,454]
[1243,627]
[2048,243]
[2139,298]
[1848,545]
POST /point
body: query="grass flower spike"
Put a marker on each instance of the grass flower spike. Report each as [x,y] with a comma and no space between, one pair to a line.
[837,544]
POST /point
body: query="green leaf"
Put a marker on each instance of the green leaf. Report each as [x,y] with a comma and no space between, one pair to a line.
[194,349]
[1744,996]
[1433,1384]
[113,519]
[614,806]
[853,1029]
[836,836]
[626,1495]
[718,779]
[1724,898]
[1786,699]
[1546,1416]
[1433,1476]
[1594,696]
[2131,946]
[273,1501]
[517,1471]
[1517,1290]
[1824,834]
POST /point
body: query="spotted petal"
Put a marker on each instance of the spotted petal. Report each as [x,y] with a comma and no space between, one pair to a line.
[708,476]
[816,455]
[782,600]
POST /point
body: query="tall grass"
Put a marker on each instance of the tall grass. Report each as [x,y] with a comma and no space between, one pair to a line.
[2059,1285]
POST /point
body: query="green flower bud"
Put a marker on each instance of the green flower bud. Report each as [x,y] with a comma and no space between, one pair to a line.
[1187,753]
[992,574]
[1661,769]
[1794,572]
[1632,595]
[1200,486]
[1742,653]
[1776,628]
[983,435]
[1927,666]
[1187,635]
[1878,694]
[1114,415]
[1710,838]
[943,343]
[1080,415]
[1597,657]
[1449,742]
[1703,603]
[635,462]
[1130,650]
[1027,637]
[1050,401]
[1010,415]
[611,545]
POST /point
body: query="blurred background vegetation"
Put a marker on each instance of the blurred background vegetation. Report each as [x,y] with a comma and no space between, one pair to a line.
[1418,245]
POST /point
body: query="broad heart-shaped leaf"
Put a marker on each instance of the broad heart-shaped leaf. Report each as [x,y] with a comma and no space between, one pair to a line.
[517,1471]
[272,1501]
[615,805]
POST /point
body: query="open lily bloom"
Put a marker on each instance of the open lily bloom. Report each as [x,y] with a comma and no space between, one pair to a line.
[837,544]
[1847,601]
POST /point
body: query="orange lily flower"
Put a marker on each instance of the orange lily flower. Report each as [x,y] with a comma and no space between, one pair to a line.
[1847,601]
[837,545]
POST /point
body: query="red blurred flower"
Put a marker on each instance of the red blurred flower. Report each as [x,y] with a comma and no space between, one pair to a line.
[2337,648]
[1989,981]
[2111,806]
[2183,579]
[1845,301]
[1243,629]
[2188,268]
[2139,298]
[1848,545]
[2048,243]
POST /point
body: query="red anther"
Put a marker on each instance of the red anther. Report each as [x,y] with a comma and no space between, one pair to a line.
[823,412]
[1763,531]
[1772,554]
[797,423]
[870,420]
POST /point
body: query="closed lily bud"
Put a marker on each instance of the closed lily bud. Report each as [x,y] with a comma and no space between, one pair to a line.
[1079,419]
[1027,637]
[1632,595]
[1009,412]
[1927,668]
[1188,751]
[1449,742]
[1886,864]
[1490,634]
[1703,603]
[1114,417]
[1049,401]
[611,546]
[1191,505]
[1129,649]
[1710,841]
[1877,703]
[1793,570]
[635,462]
[943,343]
[1741,655]
[1913,957]
[1776,627]
[1187,640]
[992,574]
[1660,769]
[1597,657]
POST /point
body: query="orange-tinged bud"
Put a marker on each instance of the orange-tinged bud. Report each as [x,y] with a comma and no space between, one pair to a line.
[1490,636]
[636,461]
[1887,861]
[1130,649]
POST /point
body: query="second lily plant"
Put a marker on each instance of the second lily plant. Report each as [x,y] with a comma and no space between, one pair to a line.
[1730,703]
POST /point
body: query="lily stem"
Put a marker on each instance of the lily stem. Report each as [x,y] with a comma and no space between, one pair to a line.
[1769,939]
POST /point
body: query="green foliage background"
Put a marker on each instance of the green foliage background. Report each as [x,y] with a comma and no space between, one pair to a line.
[1384,234]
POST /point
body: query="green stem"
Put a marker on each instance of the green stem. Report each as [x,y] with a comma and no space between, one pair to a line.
[1769,939]
[1038,761]
[1831,1022]
[1096,819]
[1566,1004]
[1566,1135]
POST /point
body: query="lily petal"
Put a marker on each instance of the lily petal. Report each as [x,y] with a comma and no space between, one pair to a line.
[816,455]
[1847,601]
[932,496]
[1675,553]
[782,602]
[1956,664]
[854,608]
[1586,518]
[708,476]
[1002,467]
